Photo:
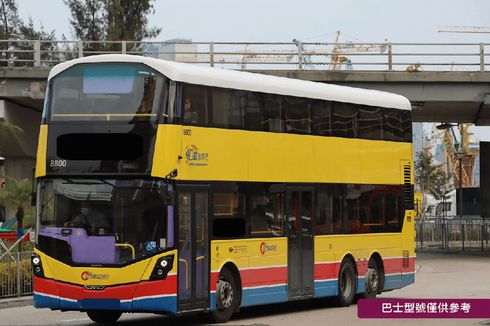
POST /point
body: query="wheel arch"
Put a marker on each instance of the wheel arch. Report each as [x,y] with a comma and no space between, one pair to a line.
[379,261]
[229,265]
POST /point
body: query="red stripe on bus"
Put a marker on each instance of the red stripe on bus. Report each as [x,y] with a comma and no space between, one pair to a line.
[257,277]
[120,292]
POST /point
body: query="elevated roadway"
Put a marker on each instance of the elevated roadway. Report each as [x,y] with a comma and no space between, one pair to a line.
[435,96]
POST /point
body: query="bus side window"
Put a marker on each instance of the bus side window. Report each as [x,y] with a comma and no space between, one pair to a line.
[323,213]
[271,113]
[226,108]
[297,111]
[370,122]
[229,214]
[266,211]
[321,114]
[194,105]
[344,118]
[252,115]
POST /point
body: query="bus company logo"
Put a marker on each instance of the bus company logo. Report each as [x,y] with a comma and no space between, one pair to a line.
[195,157]
[264,247]
[85,276]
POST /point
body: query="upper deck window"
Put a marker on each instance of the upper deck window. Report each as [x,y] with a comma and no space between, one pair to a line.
[106,92]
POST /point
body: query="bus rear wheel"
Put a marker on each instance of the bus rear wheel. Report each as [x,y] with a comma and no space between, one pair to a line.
[226,297]
[374,276]
[347,283]
[104,316]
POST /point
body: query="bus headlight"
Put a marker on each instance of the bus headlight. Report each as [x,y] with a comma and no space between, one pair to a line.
[162,267]
[37,266]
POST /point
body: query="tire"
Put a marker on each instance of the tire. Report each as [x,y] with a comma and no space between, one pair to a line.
[347,283]
[373,280]
[227,297]
[104,316]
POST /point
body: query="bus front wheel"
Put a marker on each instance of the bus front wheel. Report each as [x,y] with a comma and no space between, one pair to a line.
[104,316]
[347,283]
[226,297]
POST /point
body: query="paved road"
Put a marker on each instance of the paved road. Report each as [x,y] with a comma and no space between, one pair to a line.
[438,276]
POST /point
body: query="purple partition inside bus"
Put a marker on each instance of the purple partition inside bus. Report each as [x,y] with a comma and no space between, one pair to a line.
[85,248]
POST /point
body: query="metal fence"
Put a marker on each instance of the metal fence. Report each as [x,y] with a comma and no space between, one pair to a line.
[454,233]
[15,274]
[263,55]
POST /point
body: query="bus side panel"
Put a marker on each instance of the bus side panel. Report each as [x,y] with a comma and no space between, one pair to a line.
[262,264]
[239,155]
[167,150]
[330,250]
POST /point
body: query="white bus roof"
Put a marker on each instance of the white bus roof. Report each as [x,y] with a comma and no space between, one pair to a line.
[194,74]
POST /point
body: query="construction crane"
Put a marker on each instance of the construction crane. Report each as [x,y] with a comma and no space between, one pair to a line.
[448,138]
[339,51]
[464,29]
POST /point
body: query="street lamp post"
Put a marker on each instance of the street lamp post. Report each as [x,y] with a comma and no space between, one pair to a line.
[460,156]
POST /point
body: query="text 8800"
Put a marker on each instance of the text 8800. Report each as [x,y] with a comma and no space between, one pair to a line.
[57,163]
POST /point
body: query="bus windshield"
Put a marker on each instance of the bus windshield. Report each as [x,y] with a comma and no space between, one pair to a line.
[102,221]
[106,92]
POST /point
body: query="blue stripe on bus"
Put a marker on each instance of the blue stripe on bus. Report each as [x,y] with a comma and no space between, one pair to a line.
[161,304]
[329,288]
[43,301]
[257,296]
[326,288]
[273,294]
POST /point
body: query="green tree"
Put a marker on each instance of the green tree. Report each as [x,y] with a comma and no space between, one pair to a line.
[16,193]
[15,29]
[87,21]
[440,184]
[424,169]
[430,176]
[128,20]
[111,20]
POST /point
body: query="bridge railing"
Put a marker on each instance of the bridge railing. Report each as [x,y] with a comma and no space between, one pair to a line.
[263,55]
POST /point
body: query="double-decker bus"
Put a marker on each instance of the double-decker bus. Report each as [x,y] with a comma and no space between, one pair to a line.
[166,187]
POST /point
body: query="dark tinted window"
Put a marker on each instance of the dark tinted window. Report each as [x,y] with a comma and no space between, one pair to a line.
[271,108]
[195,105]
[227,108]
[106,92]
[252,112]
[406,125]
[324,212]
[321,115]
[266,210]
[298,119]
[370,122]
[235,109]
[344,120]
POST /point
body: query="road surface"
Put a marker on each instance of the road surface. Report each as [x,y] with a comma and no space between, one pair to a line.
[439,275]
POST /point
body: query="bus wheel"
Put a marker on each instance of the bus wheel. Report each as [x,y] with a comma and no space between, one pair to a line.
[104,316]
[226,297]
[347,283]
[373,279]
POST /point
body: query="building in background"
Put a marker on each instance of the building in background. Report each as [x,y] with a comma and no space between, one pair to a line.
[181,50]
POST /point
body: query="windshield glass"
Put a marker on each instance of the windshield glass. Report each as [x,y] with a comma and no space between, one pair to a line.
[103,221]
[106,92]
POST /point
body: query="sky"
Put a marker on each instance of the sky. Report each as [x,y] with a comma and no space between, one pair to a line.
[306,20]
[283,20]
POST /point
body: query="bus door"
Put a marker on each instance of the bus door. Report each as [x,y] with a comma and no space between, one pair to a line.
[193,271]
[300,242]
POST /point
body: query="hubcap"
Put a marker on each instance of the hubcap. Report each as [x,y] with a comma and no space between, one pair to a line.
[225,294]
[345,284]
[372,280]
